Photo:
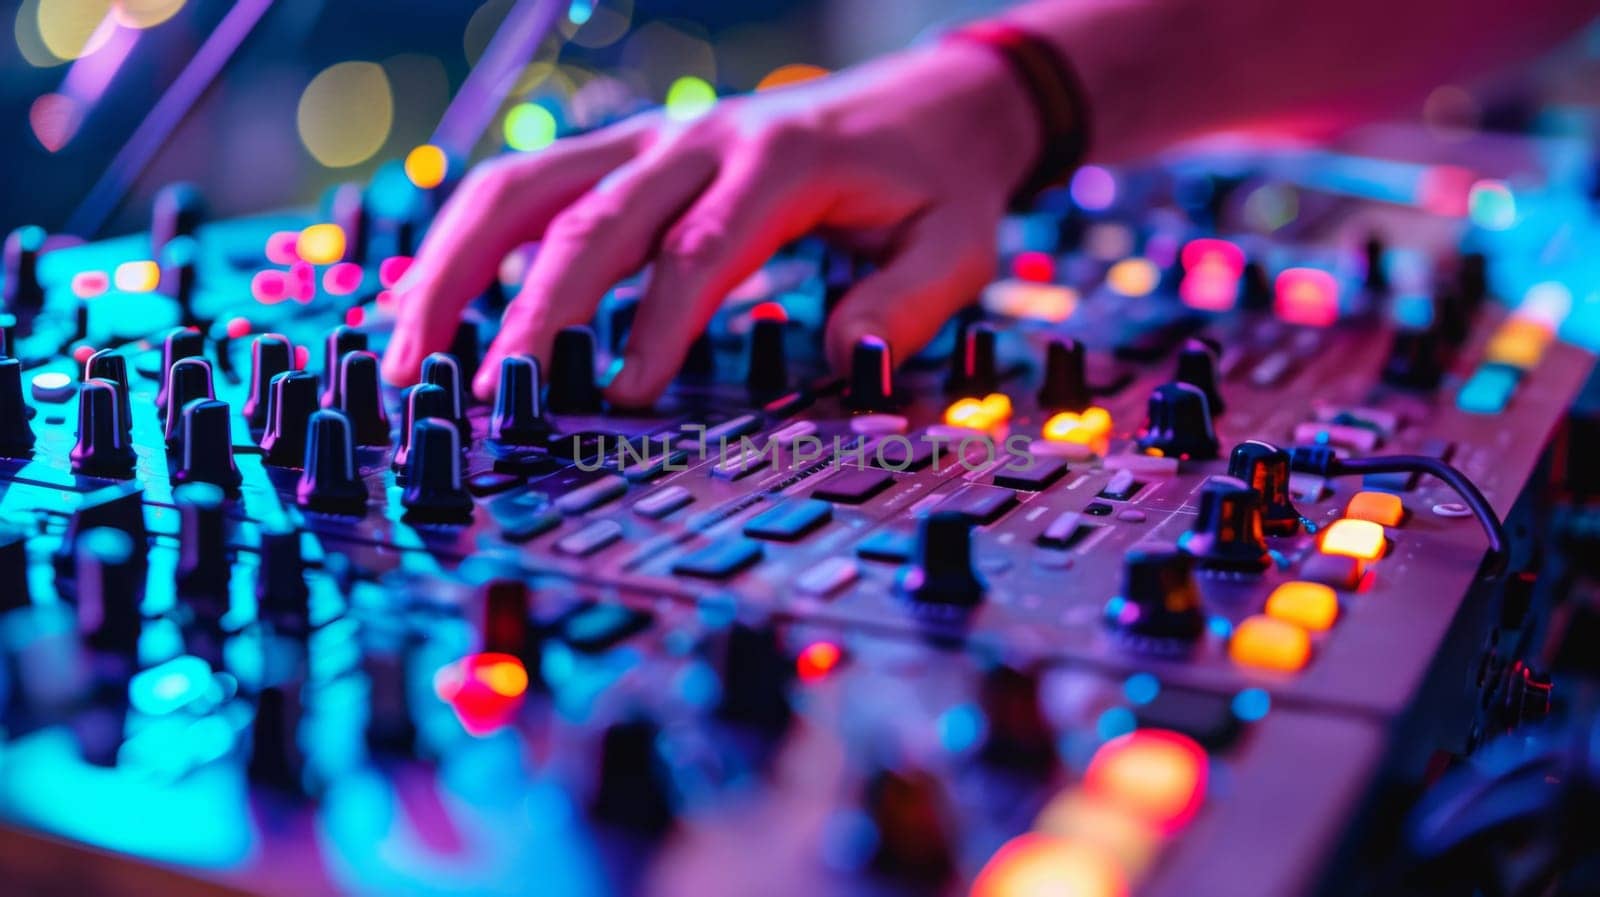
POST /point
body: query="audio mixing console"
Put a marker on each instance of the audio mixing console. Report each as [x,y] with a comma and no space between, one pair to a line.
[1148,577]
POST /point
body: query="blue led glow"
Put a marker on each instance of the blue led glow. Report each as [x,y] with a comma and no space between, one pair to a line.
[961,727]
[165,688]
[1251,704]
[579,11]
[1141,688]
[1114,722]
[1220,627]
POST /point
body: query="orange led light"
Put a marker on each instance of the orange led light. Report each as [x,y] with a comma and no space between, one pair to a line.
[987,413]
[1382,508]
[1519,342]
[793,73]
[1268,643]
[1156,774]
[1361,539]
[1092,425]
[1080,816]
[137,277]
[997,407]
[817,660]
[426,166]
[1207,252]
[1310,605]
[321,244]
[1307,296]
[1133,277]
[1034,865]
[964,413]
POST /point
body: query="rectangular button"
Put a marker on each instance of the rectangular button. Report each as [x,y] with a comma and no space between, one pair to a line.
[1067,530]
[1338,570]
[1358,439]
[789,520]
[531,526]
[896,454]
[853,485]
[662,502]
[658,461]
[734,427]
[1488,390]
[592,495]
[590,539]
[591,628]
[1121,487]
[829,576]
[1037,472]
[741,464]
[887,545]
[719,560]
[984,504]
[1143,465]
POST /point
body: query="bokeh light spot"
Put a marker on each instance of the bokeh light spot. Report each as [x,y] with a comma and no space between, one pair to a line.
[427,166]
[145,13]
[793,73]
[345,113]
[529,126]
[689,98]
[72,28]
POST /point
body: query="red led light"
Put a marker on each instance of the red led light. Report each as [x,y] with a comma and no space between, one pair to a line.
[342,279]
[769,311]
[385,299]
[82,352]
[817,660]
[1307,296]
[355,316]
[484,690]
[1208,251]
[89,284]
[391,269]
[1035,267]
[238,327]
[301,355]
[269,287]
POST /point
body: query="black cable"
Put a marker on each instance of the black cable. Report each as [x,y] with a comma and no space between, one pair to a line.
[1323,461]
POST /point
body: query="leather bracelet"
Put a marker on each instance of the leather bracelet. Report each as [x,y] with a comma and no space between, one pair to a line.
[1056,92]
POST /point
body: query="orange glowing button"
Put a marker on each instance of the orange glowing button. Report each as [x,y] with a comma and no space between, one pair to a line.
[1360,539]
[996,408]
[1092,425]
[137,277]
[484,690]
[321,244]
[1307,296]
[964,413]
[1382,508]
[1156,774]
[1133,277]
[1311,605]
[1519,342]
[1209,251]
[817,660]
[426,166]
[1034,865]
[1268,643]
[1080,816]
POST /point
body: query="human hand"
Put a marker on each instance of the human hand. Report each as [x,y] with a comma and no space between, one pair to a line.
[915,155]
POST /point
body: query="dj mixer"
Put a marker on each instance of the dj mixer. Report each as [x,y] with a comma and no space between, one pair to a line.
[1161,572]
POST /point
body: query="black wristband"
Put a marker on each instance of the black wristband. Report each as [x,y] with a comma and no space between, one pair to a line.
[1056,93]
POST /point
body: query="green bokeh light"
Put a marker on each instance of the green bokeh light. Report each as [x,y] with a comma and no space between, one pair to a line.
[529,126]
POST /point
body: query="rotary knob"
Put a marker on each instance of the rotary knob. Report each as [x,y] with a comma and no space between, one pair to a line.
[1179,424]
[1227,534]
[1265,467]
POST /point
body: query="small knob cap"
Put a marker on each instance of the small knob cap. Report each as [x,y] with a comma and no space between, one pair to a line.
[1066,379]
[518,404]
[871,386]
[281,591]
[207,440]
[941,572]
[329,482]
[1255,287]
[974,371]
[635,789]
[23,291]
[14,592]
[1159,606]
[203,564]
[755,679]
[1179,424]
[506,629]
[270,355]
[433,476]
[443,371]
[767,376]
[911,815]
[102,450]
[110,589]
[339,342]
[16,432]
[1452,316]
[701,361]
[188,380]
[417,402]
[1373,251]
[178,344]
[1417,359]
[572,386]
[180,275]
[1472,278]
[106,364]
[291,401]
[177,212]
[276,760]
[1227,534]
[361,399]
[1018,735]
[1197,366]
[1265,467]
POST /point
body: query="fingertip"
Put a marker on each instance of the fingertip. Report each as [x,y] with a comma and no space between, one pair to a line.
[488,376]
[634,386]
[399,367]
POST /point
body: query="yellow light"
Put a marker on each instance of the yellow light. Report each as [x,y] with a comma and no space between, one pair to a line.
[345,113]
[1519,342]
[1034,865]
[70,29]
[1035,301]
[1157,774]
[1093,425]
[137,277]
[1382,508]
[145,13]
[426,166]
[321,244]
[1079,816]
[505,676]
[964,413]
[987,413]
[1311,605]
[1133,277]
[1360,539]
[996,408]
[1270,644]
[793,73]
[1097,420]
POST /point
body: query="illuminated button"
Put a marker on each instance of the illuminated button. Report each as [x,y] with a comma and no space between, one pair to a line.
[321,244]
[991,411]
[1308,604]
[1382,508]
[137,277]
[1133,277]
[1043,864]
[52,386]
[828,576]
[1270,644]
[1361,539]
[1519,343]
[1083,817]
[1488,390]
[1307,296]
[1093,425]
[1157,774]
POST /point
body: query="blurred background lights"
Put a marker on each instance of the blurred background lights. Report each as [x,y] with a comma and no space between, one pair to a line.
[1093,188]
[427,166]
[689,98]
[68,29]
[1035,865]
[345,113]
[793,73]
[596,23]
[1491,205]
[321,244]
[529,126]
[144,13]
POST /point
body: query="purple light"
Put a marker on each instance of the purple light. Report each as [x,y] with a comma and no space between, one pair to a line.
[1093,188]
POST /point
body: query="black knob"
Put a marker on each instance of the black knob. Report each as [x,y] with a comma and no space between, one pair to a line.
[1018,735]
[767,375]
[188,380]
[14,592]
[755,679]
[417,402]
[941,572]
[1472,278]
[106,364]
[434,493]
[1265,467]
[281,591]
[518,405]
[270,355]
[1417,359]
[329,482]
[207,440]
[276,760]
[1227,534]
[361,399]
[178,344]
[911,816]
[701,362]
[179,274]
[110,588]
[291,401]
[102,450]
[1159,606]
[1197,366]
[23,291]
[467,350]
[347,207]
[974,372]
[1179,424]
[177,212]
[445,372]
[203,564]
[1452,316]
[871,386]
[391,726]
[634,790]
[1255,288]
[1377,275]
[1066,378]
[16,433]
[572,386]
[339,342]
